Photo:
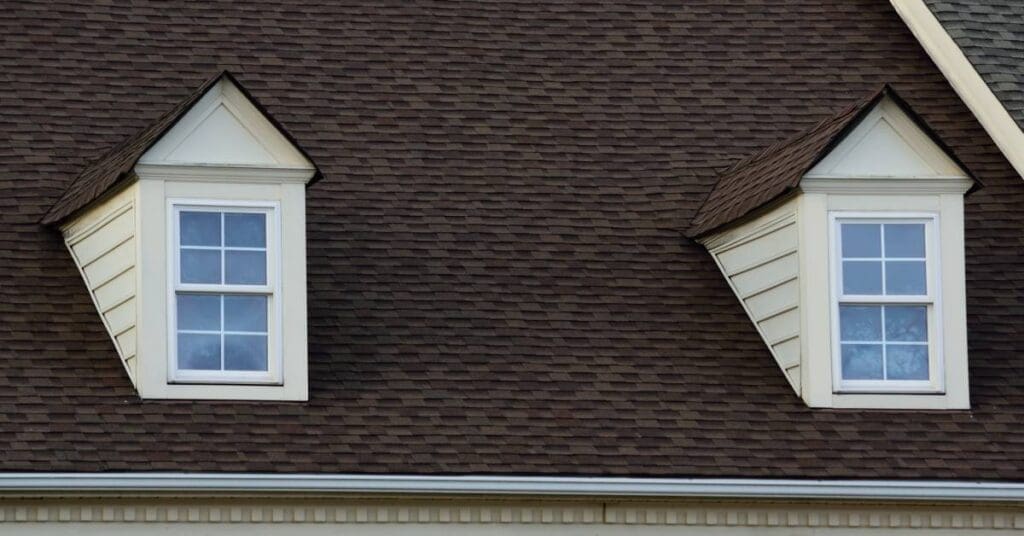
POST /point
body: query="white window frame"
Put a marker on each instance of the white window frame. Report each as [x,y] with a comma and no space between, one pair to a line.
[273,374]
[932,300]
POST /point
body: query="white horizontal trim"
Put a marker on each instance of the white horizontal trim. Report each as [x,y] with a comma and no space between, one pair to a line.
[884,185]
[514,485]
[222,173]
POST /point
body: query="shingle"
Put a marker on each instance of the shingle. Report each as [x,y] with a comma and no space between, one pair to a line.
[497,277]
[991,34]
[769,174]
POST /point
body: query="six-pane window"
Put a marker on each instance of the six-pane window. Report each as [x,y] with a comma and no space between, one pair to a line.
[223,292]
[884,303]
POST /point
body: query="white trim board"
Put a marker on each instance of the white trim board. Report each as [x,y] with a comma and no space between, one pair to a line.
[223,129]
[966,81]
[896,490]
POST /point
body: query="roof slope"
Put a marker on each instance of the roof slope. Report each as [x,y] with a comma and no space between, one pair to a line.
[775,170]
[991,34]
[497,282]
[114,167]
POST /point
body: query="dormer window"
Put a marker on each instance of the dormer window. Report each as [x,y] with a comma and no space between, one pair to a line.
[225,289]
[884,300]
[831,242]
[195,253]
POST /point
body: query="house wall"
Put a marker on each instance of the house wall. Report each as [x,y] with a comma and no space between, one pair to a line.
[102,242]
[451,516]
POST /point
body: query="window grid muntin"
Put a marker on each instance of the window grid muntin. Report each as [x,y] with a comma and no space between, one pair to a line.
[270,289]
[929,300]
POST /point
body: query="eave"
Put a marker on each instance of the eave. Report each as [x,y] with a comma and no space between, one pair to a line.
[21,484]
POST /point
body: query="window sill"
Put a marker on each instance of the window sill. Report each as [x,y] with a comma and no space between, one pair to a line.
[901,401]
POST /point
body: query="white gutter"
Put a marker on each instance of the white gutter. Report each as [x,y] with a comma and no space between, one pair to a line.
[525,485]
[965,79]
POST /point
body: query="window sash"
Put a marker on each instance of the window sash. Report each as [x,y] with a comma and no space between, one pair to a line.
[271,289]
[931,300]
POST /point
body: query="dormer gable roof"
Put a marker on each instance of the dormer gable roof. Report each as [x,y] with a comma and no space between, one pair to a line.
[776,171]
[115,168]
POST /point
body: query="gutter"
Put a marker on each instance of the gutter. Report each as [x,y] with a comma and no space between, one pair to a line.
[965,79]
[883,490]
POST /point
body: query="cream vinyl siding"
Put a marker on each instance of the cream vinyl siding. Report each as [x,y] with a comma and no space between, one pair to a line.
[759,260]
[103,245]
[450,516]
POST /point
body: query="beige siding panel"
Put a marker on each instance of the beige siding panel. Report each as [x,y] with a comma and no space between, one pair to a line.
[776,271]
[116,291]
[782,326]
[129,365]
[793,375]
[105,238]
[788,353]
[121,318]
[756,252]
[126,342]
[773,300]
[110,265]
[505,516]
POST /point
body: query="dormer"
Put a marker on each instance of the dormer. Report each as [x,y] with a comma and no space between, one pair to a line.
[844,244]
[191,239]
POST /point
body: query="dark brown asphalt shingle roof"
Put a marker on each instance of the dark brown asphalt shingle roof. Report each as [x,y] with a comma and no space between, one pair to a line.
[772,172]
[991,35]
[497,277]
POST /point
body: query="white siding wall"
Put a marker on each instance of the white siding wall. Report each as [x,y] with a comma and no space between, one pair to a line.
[759,259]
[102,243]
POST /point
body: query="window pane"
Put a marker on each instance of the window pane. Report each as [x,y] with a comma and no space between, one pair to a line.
[198,351]
[905,278]
[245,352]
[906,361]
[862,277]
[197,312]
[200,266]
[200,228]
[904,240]
[906,323]
[245,230]
[860,323]
[245,267]
[245,313]
[862,361]
[861,239]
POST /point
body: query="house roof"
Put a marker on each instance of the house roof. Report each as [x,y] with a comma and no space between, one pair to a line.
[497,278]
[991,34]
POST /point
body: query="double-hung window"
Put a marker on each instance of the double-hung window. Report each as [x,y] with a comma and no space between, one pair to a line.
[223,325]
[885,303]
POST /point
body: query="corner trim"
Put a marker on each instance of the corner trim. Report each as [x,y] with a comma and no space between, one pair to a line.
[966,81]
